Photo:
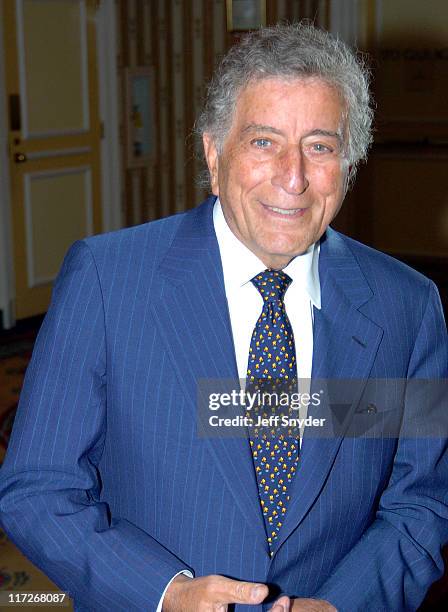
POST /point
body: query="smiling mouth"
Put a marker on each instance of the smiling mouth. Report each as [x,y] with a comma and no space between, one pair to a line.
[286,212]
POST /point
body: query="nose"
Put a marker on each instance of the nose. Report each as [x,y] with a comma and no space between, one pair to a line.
[289,171]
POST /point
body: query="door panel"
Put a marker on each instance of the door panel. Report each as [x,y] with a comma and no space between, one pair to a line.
[47,108]
[47,221]
[54,138]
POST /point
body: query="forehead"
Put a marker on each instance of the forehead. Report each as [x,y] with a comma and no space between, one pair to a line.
[285,101]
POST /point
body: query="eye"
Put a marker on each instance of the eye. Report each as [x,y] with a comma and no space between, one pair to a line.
[318,147]
[261,143]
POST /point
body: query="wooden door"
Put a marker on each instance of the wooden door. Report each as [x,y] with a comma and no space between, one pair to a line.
[54,138]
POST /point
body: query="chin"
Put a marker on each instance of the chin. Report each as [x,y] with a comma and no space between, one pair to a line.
[291,252]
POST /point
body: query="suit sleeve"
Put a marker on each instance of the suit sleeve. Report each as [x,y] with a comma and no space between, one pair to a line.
[399,556]
[50,483]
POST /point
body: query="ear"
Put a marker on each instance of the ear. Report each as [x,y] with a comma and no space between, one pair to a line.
[211,156]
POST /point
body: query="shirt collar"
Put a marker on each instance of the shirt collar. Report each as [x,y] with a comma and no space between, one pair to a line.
[240,265]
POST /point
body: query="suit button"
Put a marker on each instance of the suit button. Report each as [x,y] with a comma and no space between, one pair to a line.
[372,409]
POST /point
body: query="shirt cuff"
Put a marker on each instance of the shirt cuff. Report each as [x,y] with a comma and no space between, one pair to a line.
[185,573]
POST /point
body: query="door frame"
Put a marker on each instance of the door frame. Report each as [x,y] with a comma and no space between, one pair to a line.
[7,285]
[110,152]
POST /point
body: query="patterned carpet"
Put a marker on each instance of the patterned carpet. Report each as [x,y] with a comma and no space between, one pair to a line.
[17,574]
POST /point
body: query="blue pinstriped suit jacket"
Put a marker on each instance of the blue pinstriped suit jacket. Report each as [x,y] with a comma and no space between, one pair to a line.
[107,487]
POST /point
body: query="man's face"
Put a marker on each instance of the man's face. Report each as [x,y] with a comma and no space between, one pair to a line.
[281,176]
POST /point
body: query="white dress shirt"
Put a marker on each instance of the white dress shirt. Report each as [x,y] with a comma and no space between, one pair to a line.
[240,265]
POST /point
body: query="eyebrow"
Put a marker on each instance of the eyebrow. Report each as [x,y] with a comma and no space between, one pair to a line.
[257,127]
[330,133]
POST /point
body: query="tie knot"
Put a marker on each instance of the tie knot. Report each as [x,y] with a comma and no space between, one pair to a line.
[272,284]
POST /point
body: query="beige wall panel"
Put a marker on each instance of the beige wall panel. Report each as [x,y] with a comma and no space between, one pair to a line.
[178,105]
[198,77]
[58,213]
[136,195]
[148,33]
[132,31]
[54,73]
[402,16]
[282,10]
[410,216]
[412,74]
[219,29]
[165,119]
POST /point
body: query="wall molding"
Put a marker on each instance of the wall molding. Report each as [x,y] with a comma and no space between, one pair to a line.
[7,290]
[110,117]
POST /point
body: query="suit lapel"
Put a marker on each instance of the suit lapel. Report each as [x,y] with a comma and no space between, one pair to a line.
[345,345]
[193,319]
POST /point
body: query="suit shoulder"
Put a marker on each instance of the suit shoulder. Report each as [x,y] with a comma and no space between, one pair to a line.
[127,247]
[400,295]
[384,268]
[145,244]
[153,230]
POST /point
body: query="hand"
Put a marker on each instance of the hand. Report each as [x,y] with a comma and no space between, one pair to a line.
[210,593]
[285,604]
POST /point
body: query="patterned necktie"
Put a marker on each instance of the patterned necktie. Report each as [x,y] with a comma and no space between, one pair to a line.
[272,368]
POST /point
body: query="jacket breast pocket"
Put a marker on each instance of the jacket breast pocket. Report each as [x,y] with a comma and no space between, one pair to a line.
[380,411]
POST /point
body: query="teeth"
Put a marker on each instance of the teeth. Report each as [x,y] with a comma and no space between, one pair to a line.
[283,211]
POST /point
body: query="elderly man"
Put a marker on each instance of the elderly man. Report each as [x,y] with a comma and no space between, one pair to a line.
[107,485]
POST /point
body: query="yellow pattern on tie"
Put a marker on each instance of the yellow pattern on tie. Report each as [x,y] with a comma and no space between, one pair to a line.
[272,369]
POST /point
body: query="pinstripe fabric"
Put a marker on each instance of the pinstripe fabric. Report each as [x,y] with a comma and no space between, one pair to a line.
[107,487]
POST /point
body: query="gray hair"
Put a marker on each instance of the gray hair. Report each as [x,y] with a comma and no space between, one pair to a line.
[292,51]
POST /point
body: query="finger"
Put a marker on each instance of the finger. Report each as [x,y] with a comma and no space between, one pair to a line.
[282,605]
[236,591]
